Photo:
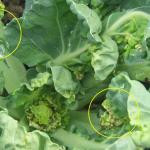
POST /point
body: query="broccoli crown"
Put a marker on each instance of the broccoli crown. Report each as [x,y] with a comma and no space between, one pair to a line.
[47,112]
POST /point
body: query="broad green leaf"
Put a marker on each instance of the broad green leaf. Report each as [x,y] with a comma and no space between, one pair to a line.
[138,140]
[90,86]
[140,107]
[90,18]
[51,31]
[135,105]
[129,4]
[104,60]
[15,136]
[96,3]
[2,37]
[112,19]
[123,144]
[117,99]
[1,82]
[3,103]
[63,82]
[141,138]
[128,103]
[14,73]
[137,71]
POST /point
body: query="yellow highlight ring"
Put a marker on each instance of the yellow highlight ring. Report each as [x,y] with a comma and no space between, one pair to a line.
[20,35]
[118,89]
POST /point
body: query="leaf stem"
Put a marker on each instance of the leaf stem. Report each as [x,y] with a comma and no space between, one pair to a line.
[69,56]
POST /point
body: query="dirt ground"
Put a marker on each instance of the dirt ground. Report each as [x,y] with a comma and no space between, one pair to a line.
[14,6]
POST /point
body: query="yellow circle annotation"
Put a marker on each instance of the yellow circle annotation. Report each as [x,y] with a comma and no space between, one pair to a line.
[122,90]
[20,34]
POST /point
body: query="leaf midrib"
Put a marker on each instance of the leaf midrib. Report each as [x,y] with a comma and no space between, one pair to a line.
[60,29]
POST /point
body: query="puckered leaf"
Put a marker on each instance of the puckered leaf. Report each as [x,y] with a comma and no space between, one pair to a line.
[63,82]
[104,60]
[40,80]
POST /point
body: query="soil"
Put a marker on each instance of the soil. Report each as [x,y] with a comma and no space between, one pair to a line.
[14,6]
[147,83]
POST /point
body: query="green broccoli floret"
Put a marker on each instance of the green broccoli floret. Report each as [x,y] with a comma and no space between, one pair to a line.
[47,113]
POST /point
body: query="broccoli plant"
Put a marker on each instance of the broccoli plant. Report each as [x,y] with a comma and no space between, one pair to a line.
[69,51]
